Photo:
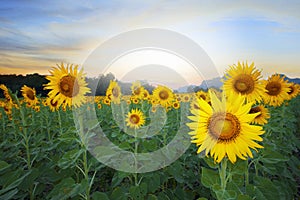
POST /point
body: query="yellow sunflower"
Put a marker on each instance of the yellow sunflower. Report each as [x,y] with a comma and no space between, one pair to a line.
[243,79]
[113,92]
[163,95]
[54,106]
[6,93]
[202,94]
[262,117]
[135,119]
[294,90]
[67,85]
[185,98]
[276,90]
[29,95]
[176,105]
[137,90]
[224,129]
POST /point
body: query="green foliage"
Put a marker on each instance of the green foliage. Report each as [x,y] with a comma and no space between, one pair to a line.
[60,167]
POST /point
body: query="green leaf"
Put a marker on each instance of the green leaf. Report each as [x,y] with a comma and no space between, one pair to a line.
[10,194]
[62,190]
[152,197]
[29,180]
[266,186]
[224,194]
[209,177]
[118,194]
[244,197]
[239,167]
[70,158]
[136,193]
[99,195]
[4,165]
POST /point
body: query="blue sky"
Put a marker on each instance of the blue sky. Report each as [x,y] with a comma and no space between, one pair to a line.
[35,36]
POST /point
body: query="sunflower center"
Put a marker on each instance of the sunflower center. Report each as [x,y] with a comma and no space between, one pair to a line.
[254,110]
[30,94]
[244,84]
[137,91]
[69,86]
[291,90]
[203,96]
[54,104]
[115,92]
[163,95]
[273,88]
[224,126]
[134,119]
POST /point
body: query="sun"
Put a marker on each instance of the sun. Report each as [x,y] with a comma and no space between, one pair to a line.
[135,119]
[67,85]
[245,80]
[29,95]
[224,129]
[276,90]
[163,95]
[262,117]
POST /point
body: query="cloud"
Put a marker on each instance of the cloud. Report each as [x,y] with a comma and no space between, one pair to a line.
[41,35]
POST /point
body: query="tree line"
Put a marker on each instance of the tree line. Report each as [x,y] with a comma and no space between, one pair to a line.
[98,85]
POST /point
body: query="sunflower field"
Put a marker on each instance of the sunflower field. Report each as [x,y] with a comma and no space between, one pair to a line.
[243,140]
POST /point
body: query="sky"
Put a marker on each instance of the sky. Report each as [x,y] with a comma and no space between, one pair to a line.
[37,35]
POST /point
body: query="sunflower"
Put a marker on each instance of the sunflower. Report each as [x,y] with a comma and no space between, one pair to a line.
[106,101]
[294,90]
[276,90]
[53,105]
[135,119]
[243,79]
[202,94]
[137,90]
[186,97]
[113,92]
[67,85]
[29,95]
[146,95]
[6,93]
[164,96]
[262,117]
[176,105]
[224,129]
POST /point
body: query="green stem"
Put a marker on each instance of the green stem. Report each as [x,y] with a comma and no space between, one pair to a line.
[26,139]
[136,145]
[86,173]
[222,173]
[59,122]
[247,176]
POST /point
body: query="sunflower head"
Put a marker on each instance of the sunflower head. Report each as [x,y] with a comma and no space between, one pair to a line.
[276,90]
[263,114]
[113,92]
[53,105]
[29,95]
[164,96]
[223,128]
[135,119]
[294,90]
[137,90]
[176,105]
[67,85]
[245,80]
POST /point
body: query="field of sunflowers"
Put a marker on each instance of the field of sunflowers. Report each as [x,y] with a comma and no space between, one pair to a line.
[243,139]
